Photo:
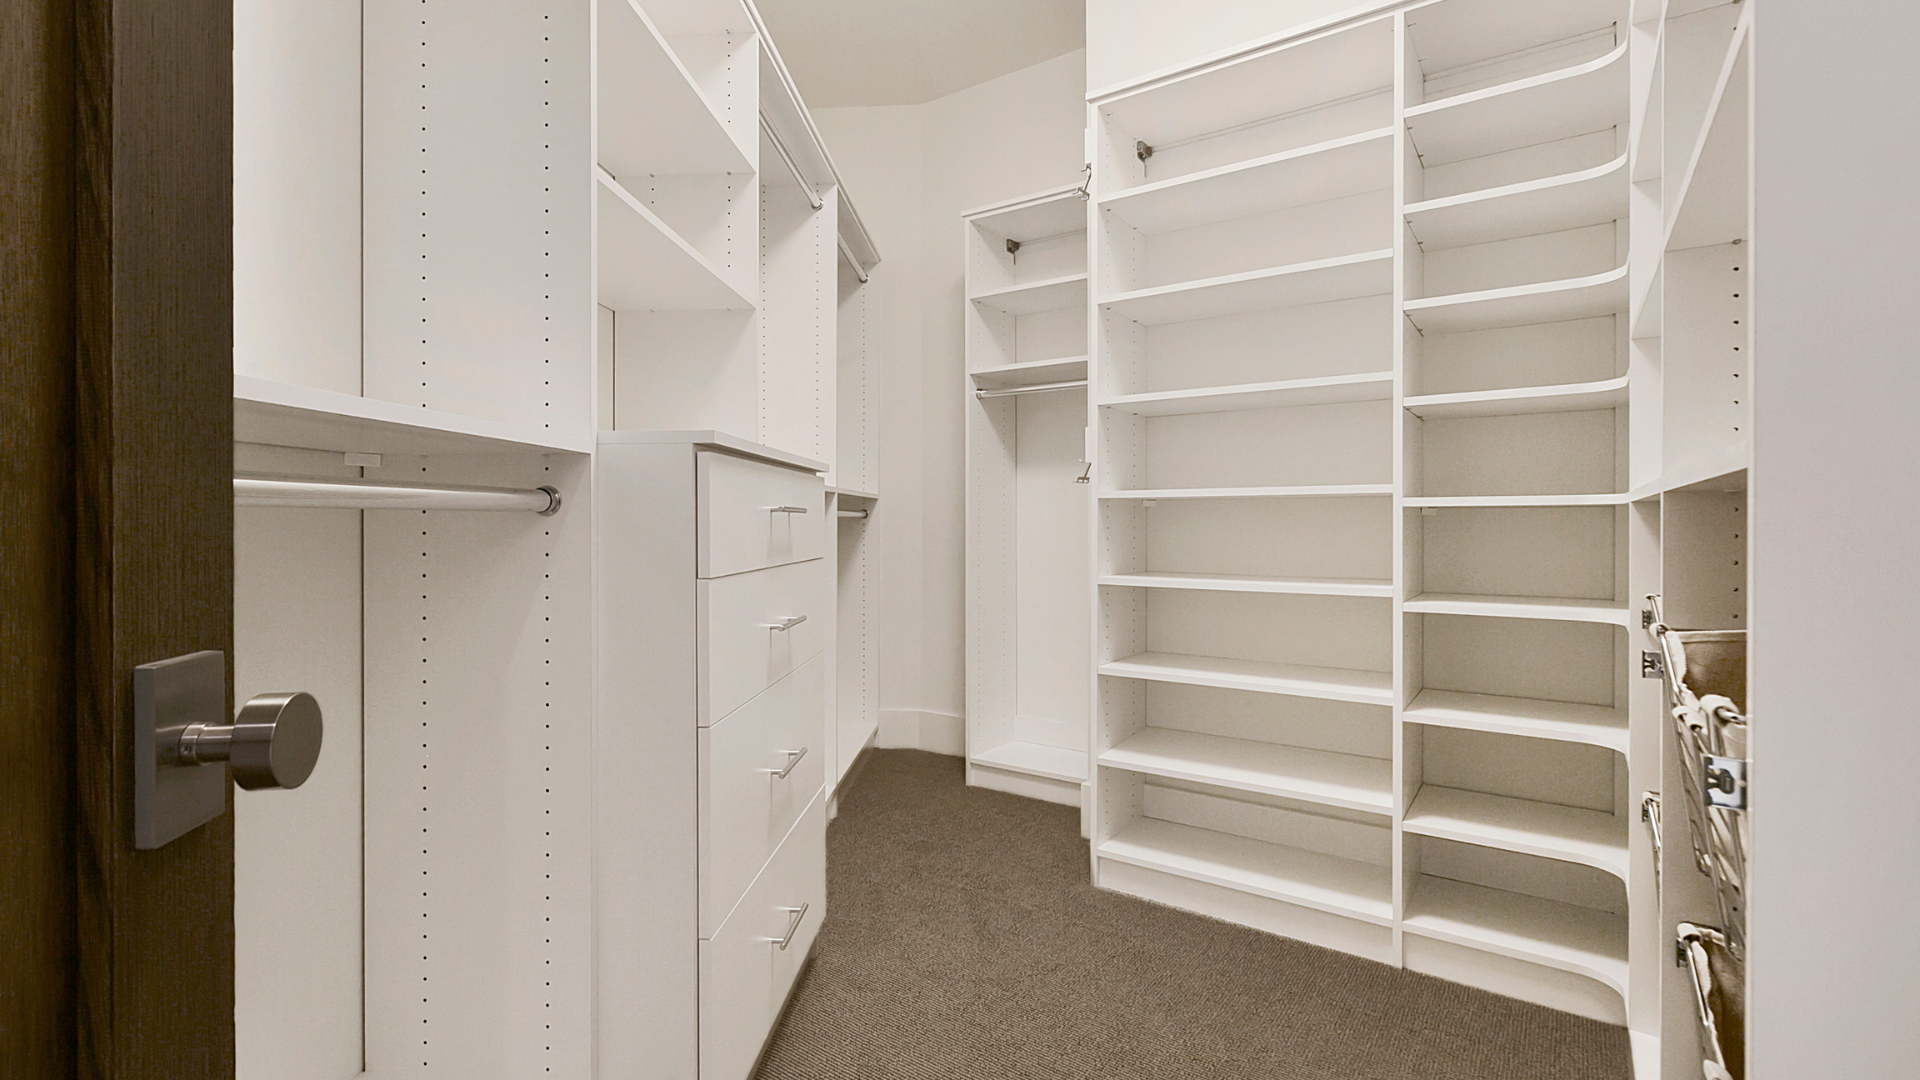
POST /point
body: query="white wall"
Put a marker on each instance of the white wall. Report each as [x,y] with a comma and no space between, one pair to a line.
[1127,39]
[914,169]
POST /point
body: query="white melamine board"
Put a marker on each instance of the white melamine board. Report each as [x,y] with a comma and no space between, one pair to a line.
[1035,759]
[1508,168]
[477,238]
[1262,584]
[1346,443]
[1529,357]
[1049,294]
[1568,201]
[1561,453]
[1303,680]
[1597,725]
[1565,936]
[1550,831]
[285,414]
[1698,50]
[856,420]
[1457,33]
[1524,658]
[1537,109]
[1325,882]
[1331,389]
[1033,218]
[1315,776]
[1520,260]
[1289,78]
[479,741]
[1310,174]
[296,189]
[653,117]
[1031,373]
[1295,492]
[1362,836]
[1333,228]
[1337,727]
[1051,579]
[1343,278]
[686,369]
[1519,607]
[1254,539]
[1564,551]
[1703,539]
[1711,204]
[1517,500]
[856,714]
[1706,365]
[1348,337]
[297,854]
[1583,297]
[645,266]
[1322,631]
[799,358]
[1566,397]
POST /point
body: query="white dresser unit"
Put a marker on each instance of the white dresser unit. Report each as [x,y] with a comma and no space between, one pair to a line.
[709,817]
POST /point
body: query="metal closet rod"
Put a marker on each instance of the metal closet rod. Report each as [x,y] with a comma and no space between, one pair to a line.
[330,495]
[1077,384]
[862,514]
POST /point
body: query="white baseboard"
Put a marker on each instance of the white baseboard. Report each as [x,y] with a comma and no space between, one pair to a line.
[917,729]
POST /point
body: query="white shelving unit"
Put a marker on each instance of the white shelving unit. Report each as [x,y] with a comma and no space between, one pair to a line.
[1027,511]
[523,235]
[1367,445]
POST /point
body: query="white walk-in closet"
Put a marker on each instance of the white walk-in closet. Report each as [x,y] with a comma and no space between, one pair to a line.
[1293,495]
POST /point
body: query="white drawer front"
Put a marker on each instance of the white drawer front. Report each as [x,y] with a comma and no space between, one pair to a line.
[743,648]
[744,973]
[746,807]
[754,515]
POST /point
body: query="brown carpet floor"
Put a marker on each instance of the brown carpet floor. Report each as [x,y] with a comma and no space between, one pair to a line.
[963,942]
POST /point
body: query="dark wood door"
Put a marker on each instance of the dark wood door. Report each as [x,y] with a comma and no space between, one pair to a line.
[116,540]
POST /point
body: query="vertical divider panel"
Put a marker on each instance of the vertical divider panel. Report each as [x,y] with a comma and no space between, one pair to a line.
[1406,744]
[992,450]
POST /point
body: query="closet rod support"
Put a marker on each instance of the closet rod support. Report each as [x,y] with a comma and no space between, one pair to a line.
[326,495]
[780,147]
[1077,384]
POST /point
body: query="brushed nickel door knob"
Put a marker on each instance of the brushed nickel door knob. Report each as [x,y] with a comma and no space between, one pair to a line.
[273,743]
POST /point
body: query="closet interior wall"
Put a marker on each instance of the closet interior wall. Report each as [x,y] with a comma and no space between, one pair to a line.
[1418,342]
[1027,496]
[466,241]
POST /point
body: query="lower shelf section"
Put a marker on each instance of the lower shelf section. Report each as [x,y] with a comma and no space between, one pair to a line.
[1581,940]
[1309,878]
[1344,780]
[1034,759]
[1298,680]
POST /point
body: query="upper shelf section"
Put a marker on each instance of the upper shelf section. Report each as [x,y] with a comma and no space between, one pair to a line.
[1310,174]
[646,266]
[1050,294]
[1031,373]
[1569,201]
[283,414]
[1050,214]
[1458,34]
[1522,305]
[1538,109]
[654,119]
[1369,273]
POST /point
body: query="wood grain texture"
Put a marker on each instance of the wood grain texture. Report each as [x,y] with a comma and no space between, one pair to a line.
[37,941]
[153,514]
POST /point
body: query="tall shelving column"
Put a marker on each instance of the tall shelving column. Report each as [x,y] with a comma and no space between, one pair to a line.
[1242,384]
[1027,510]
[1515,857]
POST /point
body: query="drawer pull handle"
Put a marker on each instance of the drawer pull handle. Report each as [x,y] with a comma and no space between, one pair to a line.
[786,509]
[795,915]
[793,758]
[787,623]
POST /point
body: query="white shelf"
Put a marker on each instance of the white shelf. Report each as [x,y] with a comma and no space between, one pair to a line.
[1369,386]
[1560,721]
[1543,108]
[1605,499]
[1570,201]
[1306,491]
[1294,680]
[1051,294]
[1304,586]
[1311,174]
[1316,776]
[1307,878]
[1550,831]
[1723,470]
[1033,759]
[1050,213]
[1520,607]
[850,493]
[284,414]
[854,737]
[1567,397]
[653,117]
[1369,273]
[646,266]
[1522,305]
[1582,940]
[1031,373]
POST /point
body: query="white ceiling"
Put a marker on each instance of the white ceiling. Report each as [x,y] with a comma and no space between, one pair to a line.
[904,52]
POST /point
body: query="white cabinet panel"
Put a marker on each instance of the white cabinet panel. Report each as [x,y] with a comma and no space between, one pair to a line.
[748,635]
[754,515]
